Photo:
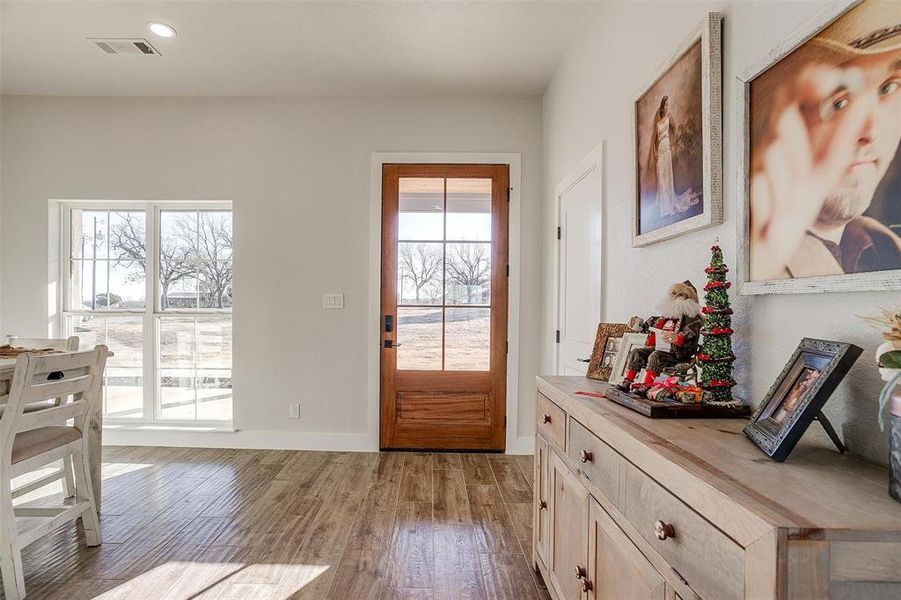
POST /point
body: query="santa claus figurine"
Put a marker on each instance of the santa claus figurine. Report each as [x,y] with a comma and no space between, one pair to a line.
[672,337]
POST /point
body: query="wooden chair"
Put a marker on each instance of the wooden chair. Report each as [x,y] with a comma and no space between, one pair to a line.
[29,441]
[65,471]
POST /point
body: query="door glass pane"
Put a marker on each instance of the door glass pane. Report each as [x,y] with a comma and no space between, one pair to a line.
[467,339]
[421,209]
[419,336]
[468,273]
[419,272]
[469,209]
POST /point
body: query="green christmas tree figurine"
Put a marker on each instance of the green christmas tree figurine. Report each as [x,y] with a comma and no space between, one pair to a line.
[715,353]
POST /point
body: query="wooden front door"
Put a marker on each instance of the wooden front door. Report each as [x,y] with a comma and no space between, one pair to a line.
[444,306]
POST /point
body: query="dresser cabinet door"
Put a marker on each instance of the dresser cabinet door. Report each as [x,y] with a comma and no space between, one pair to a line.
[617,568]
[542,501]
[569,532]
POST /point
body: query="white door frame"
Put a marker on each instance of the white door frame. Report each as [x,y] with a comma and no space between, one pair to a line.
[514,444]
[594,160]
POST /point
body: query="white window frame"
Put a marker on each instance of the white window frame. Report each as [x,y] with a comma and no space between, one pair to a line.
[152,311]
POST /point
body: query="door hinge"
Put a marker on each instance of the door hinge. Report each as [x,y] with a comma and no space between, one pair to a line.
[507,346]
[559,233]
[558,336]
[509,191]
[508,270]
[505,421]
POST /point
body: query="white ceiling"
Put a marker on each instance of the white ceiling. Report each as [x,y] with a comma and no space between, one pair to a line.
[257,47]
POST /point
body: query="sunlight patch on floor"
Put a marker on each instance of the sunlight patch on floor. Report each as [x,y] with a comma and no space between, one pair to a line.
[194,580]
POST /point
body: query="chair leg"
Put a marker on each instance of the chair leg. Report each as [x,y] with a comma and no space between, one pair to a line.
[10,553]
[68,477]
[84,489]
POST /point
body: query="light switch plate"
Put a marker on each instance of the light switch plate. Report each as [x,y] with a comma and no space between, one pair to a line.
[332,300]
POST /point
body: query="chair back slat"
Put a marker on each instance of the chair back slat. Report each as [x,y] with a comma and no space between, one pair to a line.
[75,377]
[54,415]
[49,390]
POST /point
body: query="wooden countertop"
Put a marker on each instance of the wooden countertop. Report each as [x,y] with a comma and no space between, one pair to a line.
[712,466]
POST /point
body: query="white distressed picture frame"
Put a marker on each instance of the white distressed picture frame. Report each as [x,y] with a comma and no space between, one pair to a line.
[631,341]
[852,282]
[709,32]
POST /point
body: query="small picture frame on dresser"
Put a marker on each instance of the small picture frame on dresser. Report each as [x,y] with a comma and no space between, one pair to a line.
[797,397]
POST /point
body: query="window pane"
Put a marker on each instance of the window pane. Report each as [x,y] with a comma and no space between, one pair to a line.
[421,209]
[179,294]
[214,395]
[128,285]
[89,233]
[88,284]
[123,396]
[177,345]
[127,235]
[177,395]
[215,235]
[467,341]
[468,273]
[419,336]
[214,343]
[419,273]
[215,284]
[469,209]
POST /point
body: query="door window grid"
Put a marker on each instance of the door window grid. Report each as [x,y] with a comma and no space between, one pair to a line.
[421,257]
[210,380]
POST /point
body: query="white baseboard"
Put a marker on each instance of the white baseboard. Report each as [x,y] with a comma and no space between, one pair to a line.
[522,445]
[261,440]
[258,440]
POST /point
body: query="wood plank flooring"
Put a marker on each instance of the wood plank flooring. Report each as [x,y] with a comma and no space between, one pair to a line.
[183,524]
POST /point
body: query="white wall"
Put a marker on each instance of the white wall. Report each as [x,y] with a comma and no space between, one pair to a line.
[297,170]
[618,50]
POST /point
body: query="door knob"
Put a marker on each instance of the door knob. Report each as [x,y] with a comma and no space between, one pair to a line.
[546,419]
[586,456]
[542,505]
[586,360]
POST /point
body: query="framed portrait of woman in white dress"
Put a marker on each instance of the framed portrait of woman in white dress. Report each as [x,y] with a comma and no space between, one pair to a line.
[677,141]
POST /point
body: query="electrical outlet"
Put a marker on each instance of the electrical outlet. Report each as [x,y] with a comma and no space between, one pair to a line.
[332,300]
[294,410]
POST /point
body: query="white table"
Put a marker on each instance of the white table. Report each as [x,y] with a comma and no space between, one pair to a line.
[95,425]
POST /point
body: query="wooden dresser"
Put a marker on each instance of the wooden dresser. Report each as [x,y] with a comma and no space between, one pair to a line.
[627,508]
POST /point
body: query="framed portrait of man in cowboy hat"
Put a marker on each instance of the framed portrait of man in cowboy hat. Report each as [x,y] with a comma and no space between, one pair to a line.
[822,187]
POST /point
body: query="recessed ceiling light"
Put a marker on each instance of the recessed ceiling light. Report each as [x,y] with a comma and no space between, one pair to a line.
[161,29]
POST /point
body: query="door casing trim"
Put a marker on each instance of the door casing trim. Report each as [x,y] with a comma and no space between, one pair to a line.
[514,444]
[593,160]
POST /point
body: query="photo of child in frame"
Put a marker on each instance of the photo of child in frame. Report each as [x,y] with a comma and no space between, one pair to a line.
[794,389]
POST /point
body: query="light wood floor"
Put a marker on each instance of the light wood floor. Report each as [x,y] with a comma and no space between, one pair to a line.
[247,524]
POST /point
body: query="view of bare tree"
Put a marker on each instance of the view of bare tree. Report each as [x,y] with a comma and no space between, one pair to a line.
[191,246]
[420,264]
[468,266]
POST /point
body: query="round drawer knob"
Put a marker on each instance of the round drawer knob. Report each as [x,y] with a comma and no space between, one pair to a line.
[664,530]
[581,573]
[586,585]
[546,419]
[542,505]
[586,456]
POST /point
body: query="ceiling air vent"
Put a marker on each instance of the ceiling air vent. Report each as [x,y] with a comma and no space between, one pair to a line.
[136,46]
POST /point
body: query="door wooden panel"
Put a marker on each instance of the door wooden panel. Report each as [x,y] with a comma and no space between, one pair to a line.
[617,568]
[444,273]
[569,531]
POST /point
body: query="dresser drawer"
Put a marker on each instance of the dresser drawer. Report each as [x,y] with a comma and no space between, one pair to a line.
[598,463]
[551,421]
[710,563]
